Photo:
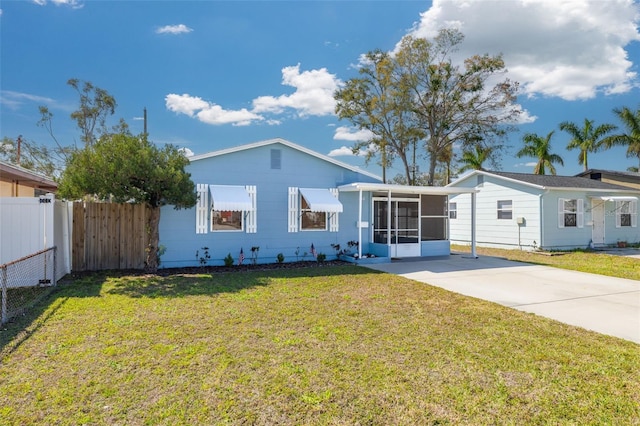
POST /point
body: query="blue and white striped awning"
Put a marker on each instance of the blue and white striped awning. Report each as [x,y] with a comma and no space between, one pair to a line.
[321,200]
[230,198]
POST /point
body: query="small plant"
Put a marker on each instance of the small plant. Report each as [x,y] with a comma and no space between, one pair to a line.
[353,245]
[321,257]
[203,257]
[336,247]
[228,260]
[297,252]
[280,258]
[254,254]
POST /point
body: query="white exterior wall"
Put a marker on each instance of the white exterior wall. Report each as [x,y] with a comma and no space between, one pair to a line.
[494,232]
[558,238]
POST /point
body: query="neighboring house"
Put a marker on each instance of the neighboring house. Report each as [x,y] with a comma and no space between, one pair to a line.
[518,210]
[284,198]
[16,181]
[630,179]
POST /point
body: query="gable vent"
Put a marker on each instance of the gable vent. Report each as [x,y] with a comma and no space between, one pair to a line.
[276,159]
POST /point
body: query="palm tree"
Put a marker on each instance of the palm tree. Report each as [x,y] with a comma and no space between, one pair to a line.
[474,159]
[630,139]
[538,147]
[587,139]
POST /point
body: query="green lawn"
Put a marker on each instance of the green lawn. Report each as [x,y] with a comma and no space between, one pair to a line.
[324,345]
[579,260]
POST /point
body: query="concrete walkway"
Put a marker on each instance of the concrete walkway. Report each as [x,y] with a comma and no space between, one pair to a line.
[595,302]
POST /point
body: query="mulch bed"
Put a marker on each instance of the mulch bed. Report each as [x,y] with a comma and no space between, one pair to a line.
[246,267]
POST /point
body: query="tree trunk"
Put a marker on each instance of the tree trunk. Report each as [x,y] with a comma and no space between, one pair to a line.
[433,163]
[153,241]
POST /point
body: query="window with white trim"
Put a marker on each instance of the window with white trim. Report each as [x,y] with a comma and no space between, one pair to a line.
[226,220]
[626,214]
[313,209]
[505,209]
[570,213]
[453,210]
[226,208]
[310,220]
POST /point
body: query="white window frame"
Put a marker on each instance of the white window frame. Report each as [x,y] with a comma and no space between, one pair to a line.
[504,209]
[631,210]
[453,210]
[212,219]
[562,211]
[295,213]
[204,212]
[305,211]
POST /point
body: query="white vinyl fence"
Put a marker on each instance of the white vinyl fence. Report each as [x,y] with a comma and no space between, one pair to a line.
[35,249]
[31,224]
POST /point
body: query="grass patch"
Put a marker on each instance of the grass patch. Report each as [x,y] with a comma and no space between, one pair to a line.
[338,345]
[579,260]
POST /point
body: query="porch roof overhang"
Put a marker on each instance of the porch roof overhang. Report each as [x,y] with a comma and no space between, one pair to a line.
[230,198]
[405,189]
[614,197]
[321,200]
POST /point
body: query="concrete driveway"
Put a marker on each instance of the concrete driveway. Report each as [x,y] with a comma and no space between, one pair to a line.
[595,302]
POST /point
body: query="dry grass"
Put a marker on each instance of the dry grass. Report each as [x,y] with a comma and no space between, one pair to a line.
[334,345]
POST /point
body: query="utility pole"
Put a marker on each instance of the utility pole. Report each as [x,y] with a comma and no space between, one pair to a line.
[19,141]
[145,121]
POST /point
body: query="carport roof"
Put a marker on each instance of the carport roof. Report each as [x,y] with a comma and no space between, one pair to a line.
[406,189]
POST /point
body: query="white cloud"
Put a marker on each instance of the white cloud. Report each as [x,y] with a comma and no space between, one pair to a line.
[174,29]
[343,133]
[313,95]
[343,151]
[566,49]
[207,112]
[186,151]
[15,100]
[529,164]
[74,4]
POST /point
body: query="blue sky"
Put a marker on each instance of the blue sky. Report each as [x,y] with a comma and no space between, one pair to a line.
[216,74]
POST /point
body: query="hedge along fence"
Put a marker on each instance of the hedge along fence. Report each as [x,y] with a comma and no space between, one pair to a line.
[109,236]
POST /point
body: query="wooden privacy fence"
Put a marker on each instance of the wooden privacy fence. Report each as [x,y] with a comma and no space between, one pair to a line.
[109,236]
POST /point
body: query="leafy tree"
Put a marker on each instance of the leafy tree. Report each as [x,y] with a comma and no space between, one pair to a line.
[540,148]
[377,102]
[455,104]
[587,139]
[96,105]
[126,168]
[631,139]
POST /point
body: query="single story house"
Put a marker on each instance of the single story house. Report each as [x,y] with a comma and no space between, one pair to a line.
[630,179]
[16,181]
[275,198]
[527,211]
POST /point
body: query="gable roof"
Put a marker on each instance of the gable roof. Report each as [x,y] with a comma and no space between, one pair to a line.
[632,175]
[288,144]
[26,177]
[548,181]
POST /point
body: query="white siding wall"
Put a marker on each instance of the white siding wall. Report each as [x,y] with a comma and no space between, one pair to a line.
[559,238]
[494,232]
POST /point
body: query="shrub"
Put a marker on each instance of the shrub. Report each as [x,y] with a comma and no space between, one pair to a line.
[321,257]
[228,261]
[280,258]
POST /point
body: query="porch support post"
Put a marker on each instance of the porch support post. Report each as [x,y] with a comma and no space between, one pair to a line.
[473,225]
[360,224]
[389,223]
